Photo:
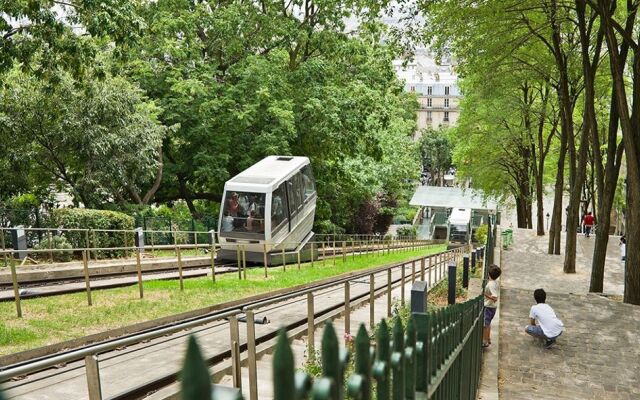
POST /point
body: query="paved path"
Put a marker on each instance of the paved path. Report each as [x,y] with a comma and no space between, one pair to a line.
[597,357]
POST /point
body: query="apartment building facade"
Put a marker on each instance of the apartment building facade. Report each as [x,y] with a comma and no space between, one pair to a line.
[435,86]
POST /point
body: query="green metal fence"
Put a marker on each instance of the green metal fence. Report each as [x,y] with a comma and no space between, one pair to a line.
[437,356]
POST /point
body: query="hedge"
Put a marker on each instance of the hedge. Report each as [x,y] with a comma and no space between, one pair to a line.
[71,218]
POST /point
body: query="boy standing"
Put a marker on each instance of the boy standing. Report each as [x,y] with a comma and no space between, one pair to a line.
[549,327]
[490,303]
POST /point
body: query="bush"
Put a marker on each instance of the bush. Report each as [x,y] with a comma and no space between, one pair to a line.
[407,231]
[57,242]
[82,218]
[326,227]
[481,234]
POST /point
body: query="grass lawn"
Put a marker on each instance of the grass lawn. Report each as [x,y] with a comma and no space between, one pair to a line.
[51,320]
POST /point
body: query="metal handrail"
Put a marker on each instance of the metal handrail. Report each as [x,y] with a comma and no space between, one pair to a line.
[112,345]
[337,282]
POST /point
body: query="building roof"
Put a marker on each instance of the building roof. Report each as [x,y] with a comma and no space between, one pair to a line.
[452,197]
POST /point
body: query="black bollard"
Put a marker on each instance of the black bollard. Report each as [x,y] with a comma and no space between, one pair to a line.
[452,283]
[473,260]
[465,271]
[419,292]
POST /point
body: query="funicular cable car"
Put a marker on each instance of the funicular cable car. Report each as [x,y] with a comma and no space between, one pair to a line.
[269,207]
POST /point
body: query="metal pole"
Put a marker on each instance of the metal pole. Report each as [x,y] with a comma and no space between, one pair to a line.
[251,357]
[298,255]
[344,252]
[402,284]
[180,267]
[422,265]
[213,260]
[85,264]
[95,244]
[14,280]
[324,255]
[264,256]
[313,253]
[139,268]
[244,263]
[413,271]
[234,332]
[310,326]
[239,262]
[49,236]
[334,251]
[372,301]
[93,377]
[347,308]
[284,263]
[389,292]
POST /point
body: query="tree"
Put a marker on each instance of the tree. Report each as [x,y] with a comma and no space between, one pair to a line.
[436,153]
[44,36]
[101,139]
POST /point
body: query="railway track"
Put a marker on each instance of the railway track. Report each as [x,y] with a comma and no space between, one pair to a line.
[162,347]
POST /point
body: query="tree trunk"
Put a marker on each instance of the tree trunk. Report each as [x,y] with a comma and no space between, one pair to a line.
[555,231]
[630,124]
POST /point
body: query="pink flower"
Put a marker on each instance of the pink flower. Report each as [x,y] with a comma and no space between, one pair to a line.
[348,337]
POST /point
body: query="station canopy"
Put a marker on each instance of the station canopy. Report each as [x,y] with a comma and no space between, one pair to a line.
[452,197]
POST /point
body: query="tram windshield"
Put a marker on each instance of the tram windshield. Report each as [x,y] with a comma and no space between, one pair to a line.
[243,215]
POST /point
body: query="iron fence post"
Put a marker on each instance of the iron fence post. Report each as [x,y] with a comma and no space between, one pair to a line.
[85,264]
[93,377]
[310,325]
[14,281]
[251,356]
[234,333]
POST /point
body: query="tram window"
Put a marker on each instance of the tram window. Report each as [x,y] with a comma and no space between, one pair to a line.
[309,186]
[243,214]
[279,208]
[296,188]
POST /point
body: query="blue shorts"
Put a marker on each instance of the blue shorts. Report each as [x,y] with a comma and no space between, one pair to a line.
[489,313]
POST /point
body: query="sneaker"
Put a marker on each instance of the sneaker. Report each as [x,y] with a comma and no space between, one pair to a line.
[549,343]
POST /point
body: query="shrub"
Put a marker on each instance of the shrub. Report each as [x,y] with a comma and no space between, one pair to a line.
[407,231]
[59,243]
[82,218]
[481,234]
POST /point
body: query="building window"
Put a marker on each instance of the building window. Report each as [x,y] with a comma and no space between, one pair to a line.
[413,88]
[446,90]
[429,102]
[446,116]
[446,103]
[429,90]
[429,116]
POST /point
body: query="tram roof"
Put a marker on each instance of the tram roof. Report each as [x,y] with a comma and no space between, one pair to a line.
[452,197]
[270,170]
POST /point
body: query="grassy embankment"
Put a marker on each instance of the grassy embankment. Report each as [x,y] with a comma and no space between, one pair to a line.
[51,320]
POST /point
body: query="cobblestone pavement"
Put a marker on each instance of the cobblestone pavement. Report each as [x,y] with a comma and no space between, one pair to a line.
[597,357]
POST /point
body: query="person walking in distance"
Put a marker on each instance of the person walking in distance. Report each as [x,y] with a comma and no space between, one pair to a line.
[588,222]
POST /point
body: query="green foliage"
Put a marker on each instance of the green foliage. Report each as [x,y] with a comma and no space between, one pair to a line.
[42,36]
[327,227]
[407,231]
[436,150]
[481,233]
[58,243]
[97,139]
[94,219]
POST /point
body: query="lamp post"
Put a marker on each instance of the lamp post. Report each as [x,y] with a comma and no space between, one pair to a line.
[547,221]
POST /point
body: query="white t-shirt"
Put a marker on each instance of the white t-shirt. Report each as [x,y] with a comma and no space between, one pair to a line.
[491,290]
[546,317]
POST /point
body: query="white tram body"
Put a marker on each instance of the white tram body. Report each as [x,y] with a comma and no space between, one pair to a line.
[266,208]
